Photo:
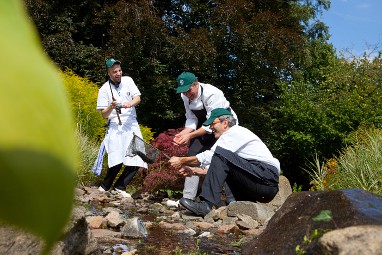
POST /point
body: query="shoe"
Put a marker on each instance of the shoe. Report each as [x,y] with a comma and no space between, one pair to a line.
[230,200]
[172,203]
[199,208]
[101,189]
[123,193]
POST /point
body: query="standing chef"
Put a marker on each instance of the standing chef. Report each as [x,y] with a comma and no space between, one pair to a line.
[116,101]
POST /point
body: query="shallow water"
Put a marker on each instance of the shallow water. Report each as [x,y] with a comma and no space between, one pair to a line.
[161,241]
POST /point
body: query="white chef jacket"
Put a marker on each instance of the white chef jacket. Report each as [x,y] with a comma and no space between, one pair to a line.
[118,137]
[211,98]
[244,143]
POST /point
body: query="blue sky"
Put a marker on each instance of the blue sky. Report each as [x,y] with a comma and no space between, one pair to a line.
[355,25]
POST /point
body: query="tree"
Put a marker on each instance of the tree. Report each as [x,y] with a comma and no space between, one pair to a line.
[315,118]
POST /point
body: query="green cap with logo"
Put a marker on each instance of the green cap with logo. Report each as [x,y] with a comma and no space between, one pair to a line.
[111,61]
[184,81]
[215,113]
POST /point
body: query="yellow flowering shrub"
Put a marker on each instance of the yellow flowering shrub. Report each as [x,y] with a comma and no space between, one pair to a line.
[83,100]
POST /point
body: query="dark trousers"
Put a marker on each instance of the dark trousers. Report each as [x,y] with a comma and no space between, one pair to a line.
[123,180]
[203,143]
[200,144]
[247,183]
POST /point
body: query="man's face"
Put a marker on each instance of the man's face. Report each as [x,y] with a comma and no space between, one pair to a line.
[219,127]
[192,92]
[115,73]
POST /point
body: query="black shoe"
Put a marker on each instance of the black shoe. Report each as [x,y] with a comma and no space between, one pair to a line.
[229,200]
[199,208]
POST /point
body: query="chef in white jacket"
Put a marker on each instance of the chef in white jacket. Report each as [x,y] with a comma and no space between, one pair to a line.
[119,95]
[238,158]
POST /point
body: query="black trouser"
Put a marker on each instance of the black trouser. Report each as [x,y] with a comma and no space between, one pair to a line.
[200,144]
[123,180]
[246,185]
[203,143]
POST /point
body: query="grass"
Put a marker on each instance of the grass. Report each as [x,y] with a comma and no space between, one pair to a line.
[88,151]
[359,165]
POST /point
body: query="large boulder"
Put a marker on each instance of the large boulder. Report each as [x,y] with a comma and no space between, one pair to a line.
[294,220]
[354,240]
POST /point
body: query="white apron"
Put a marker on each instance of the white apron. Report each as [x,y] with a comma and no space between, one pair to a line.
[118,139]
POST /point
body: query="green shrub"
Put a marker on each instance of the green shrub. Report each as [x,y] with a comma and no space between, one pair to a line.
[360,164]
[88,151]
[357,166]
[147,134]
[83,100]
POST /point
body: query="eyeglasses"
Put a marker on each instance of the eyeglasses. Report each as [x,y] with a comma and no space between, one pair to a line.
[215,122]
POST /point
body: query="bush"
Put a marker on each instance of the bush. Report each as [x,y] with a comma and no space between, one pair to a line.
[88,153]
[160,175]
[357,166]
[83,100]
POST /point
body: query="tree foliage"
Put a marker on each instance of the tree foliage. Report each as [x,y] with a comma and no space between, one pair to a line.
[243,47]
[316,118]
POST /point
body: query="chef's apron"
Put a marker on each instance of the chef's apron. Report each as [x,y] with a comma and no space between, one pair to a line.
[204,142]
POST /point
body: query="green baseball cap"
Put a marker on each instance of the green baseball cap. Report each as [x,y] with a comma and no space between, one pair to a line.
[215,113]
[184,81]
[111,61]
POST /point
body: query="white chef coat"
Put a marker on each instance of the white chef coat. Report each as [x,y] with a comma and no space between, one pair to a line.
[118,137]
[244,143]
[211,98]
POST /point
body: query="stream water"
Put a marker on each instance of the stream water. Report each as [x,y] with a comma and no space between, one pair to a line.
[161,241]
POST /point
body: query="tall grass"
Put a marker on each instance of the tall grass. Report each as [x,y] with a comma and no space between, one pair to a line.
[317,172]
[359,165]
[88,151]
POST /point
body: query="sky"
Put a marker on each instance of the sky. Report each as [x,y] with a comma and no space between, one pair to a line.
[355,25]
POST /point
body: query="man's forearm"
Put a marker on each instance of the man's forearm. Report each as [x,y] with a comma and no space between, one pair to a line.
[190,161]
[198,132]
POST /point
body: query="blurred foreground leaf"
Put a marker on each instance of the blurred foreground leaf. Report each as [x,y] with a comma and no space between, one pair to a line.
[37,146]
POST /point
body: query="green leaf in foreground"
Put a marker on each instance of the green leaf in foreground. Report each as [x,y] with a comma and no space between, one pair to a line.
[37,146]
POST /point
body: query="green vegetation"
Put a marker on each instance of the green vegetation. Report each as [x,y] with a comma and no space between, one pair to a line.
[38,152]
[317,114]
[312,238]
[197,250]
[283,79]
[83,101]
[88,151]
[357,166]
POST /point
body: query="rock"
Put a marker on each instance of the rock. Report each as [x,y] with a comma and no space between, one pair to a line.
[134,228]
[96,222]
[294,219]
[105,223]
[114,219]
[246,222]
[352,241]
[77,239]
[285,190]
[256,211]
[14,242]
